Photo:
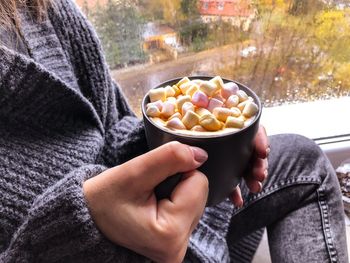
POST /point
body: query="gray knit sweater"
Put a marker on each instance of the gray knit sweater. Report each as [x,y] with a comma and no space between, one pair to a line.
[62,121]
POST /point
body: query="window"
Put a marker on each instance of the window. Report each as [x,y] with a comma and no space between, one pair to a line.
[205,5]
[221,6]
[288,52]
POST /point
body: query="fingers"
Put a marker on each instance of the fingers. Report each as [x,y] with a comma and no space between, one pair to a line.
[149,169]
[261,143]
[259,171]
[236,197]
[190,196]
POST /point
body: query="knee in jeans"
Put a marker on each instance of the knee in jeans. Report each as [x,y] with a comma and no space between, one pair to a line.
[299,154]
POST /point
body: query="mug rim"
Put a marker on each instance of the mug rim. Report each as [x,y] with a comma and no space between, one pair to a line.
[206,77]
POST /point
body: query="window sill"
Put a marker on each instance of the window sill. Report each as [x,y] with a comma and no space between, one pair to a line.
[324,121]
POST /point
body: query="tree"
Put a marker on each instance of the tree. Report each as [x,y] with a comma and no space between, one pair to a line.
[119,26]
[332,33]
[189,8]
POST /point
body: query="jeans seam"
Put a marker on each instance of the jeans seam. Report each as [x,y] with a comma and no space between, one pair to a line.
[326,226]
[276,187]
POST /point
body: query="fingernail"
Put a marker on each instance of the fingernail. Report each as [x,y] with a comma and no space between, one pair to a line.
[266,173]
[268,150]
[199,154]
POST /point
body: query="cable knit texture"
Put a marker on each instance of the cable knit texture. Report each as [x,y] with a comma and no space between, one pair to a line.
[62,121]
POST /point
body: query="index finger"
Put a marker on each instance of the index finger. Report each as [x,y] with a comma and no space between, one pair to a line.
[261,143]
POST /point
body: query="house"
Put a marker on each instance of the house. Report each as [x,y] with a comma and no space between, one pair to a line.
[160,37]
[239,13]
[90,4]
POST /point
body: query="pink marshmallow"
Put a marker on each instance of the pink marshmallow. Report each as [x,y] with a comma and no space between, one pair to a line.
[229,89]
[200,99]
[176,123]
[214,103]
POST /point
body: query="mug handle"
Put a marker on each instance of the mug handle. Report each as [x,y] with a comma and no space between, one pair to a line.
[165,188]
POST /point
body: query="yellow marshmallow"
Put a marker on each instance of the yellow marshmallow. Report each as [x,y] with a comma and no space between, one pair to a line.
[182,81]
[250,109]
[181,101]
[222,113]
[210,123]
[190,119]
[209,88]
[175,115]
[192,90]
[177,90]
[202,111]
[236,112]
[157,94]
[242,95]
[233,122]
[218,81]
[170,92]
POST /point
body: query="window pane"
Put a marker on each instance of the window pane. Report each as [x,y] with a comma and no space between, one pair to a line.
[288,51]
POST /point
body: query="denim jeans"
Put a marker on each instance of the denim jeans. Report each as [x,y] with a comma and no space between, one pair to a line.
[300,205]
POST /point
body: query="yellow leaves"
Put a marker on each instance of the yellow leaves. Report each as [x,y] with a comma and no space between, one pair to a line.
[341,75]
[330,25]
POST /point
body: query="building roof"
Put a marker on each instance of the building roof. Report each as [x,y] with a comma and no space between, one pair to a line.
[235,8]
[153,30]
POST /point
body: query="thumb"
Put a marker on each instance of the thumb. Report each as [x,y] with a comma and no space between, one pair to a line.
[155,166]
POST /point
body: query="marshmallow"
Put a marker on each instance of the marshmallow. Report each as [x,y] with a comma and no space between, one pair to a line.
[176,123]
[157,94]
[232,101]
[182,100]
[187,106]
[158,104]
[214,103]
[242,95]
[233,122]
[170,92]
[153,111]
[177,90]
[186,86]
[159,121]
[222,113]
[250,109]
[218,81]
[219,97]
[202,111]
[198,128]
[171,99]
[168,109]
[236,112]
[210,123]
[242,105]
[200,99]
[175,115]
[209,88]
[229,89]
[190,119]
[192,90]
[182,81]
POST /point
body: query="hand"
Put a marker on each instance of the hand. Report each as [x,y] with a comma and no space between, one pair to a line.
[123,205]
[258,172]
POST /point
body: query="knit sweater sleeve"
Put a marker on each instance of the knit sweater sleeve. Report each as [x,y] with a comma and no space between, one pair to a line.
[58,227]
[125,136]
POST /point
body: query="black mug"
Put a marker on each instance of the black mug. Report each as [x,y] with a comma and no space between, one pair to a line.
[228,153]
